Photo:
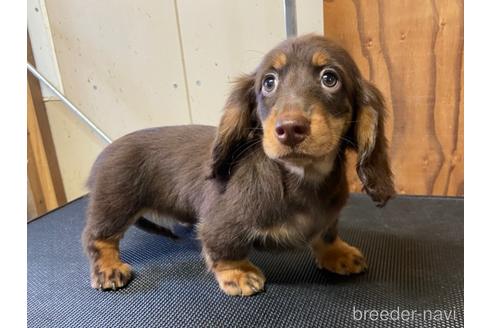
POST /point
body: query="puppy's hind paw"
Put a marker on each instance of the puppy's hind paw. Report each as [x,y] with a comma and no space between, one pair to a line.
[111,277]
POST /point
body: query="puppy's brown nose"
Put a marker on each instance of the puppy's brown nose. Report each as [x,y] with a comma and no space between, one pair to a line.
[292,131]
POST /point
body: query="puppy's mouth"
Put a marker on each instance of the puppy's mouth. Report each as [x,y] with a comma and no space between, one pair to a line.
[297,158]
[298,155]
[295,155]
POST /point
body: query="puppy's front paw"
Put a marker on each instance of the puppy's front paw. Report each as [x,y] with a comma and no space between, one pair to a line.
[110,276]
[239,277]
[339,257]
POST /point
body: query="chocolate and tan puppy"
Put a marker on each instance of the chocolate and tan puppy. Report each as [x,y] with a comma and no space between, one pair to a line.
[272,174]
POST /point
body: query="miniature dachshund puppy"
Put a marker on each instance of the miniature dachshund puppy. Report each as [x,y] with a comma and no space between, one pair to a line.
[271,175]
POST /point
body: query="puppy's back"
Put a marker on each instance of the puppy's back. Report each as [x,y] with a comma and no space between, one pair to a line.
[152,165]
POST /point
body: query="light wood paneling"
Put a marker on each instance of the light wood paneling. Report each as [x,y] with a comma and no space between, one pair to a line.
[413,52]
[43,171]
[42,166]
[36,204]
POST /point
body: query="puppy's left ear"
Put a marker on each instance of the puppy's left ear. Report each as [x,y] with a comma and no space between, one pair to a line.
[373,165]
[235,127]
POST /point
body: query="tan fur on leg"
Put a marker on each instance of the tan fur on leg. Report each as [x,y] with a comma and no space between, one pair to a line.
[238,277]
[338,256]
[108,272]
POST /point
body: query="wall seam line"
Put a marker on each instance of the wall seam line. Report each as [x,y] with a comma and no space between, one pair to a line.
[47,23]
[183,62]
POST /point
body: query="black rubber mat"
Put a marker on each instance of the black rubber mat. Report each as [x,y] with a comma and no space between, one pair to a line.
[414,248]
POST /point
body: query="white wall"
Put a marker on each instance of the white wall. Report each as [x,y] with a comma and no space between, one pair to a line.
[42,45]
[134,64]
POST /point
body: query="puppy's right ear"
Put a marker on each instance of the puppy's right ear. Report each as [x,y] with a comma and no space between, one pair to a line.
[235,126]
[373,165]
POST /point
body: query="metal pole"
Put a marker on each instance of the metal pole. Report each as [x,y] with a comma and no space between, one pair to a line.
[69,104]
[290,18]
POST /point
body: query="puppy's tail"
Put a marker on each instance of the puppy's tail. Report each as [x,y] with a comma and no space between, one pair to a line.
[150,227]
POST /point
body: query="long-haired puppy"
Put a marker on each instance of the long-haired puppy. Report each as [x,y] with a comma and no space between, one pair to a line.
[272,174]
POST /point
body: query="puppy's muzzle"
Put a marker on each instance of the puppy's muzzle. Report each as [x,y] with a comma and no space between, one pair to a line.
[291,128]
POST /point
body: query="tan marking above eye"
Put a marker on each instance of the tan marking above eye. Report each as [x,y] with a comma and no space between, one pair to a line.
[320,58]
[279,60]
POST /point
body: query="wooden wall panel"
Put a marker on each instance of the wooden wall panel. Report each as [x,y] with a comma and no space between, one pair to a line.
[45,183]
[42,166]
[413,52]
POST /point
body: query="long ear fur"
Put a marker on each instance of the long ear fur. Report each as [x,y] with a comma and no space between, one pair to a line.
[234,127]
[373,165]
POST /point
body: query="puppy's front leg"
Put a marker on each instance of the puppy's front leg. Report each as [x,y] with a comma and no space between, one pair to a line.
[335,255]
[225,250]
[235,277]
[241,277]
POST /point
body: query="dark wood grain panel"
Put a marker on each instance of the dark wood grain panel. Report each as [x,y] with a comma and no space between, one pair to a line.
[413,52]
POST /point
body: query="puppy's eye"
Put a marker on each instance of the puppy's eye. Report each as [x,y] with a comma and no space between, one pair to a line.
[329,79]
[269,84]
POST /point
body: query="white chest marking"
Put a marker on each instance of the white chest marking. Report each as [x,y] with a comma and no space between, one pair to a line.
[292,232]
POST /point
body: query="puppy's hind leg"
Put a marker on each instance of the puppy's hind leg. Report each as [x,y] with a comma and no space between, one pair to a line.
[105,227]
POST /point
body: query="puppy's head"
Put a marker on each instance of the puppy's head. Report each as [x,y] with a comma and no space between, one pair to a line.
[305,103]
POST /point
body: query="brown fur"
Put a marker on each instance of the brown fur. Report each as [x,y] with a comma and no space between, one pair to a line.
[239,184]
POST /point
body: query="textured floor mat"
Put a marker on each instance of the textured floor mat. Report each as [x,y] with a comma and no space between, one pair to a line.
[414,247]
